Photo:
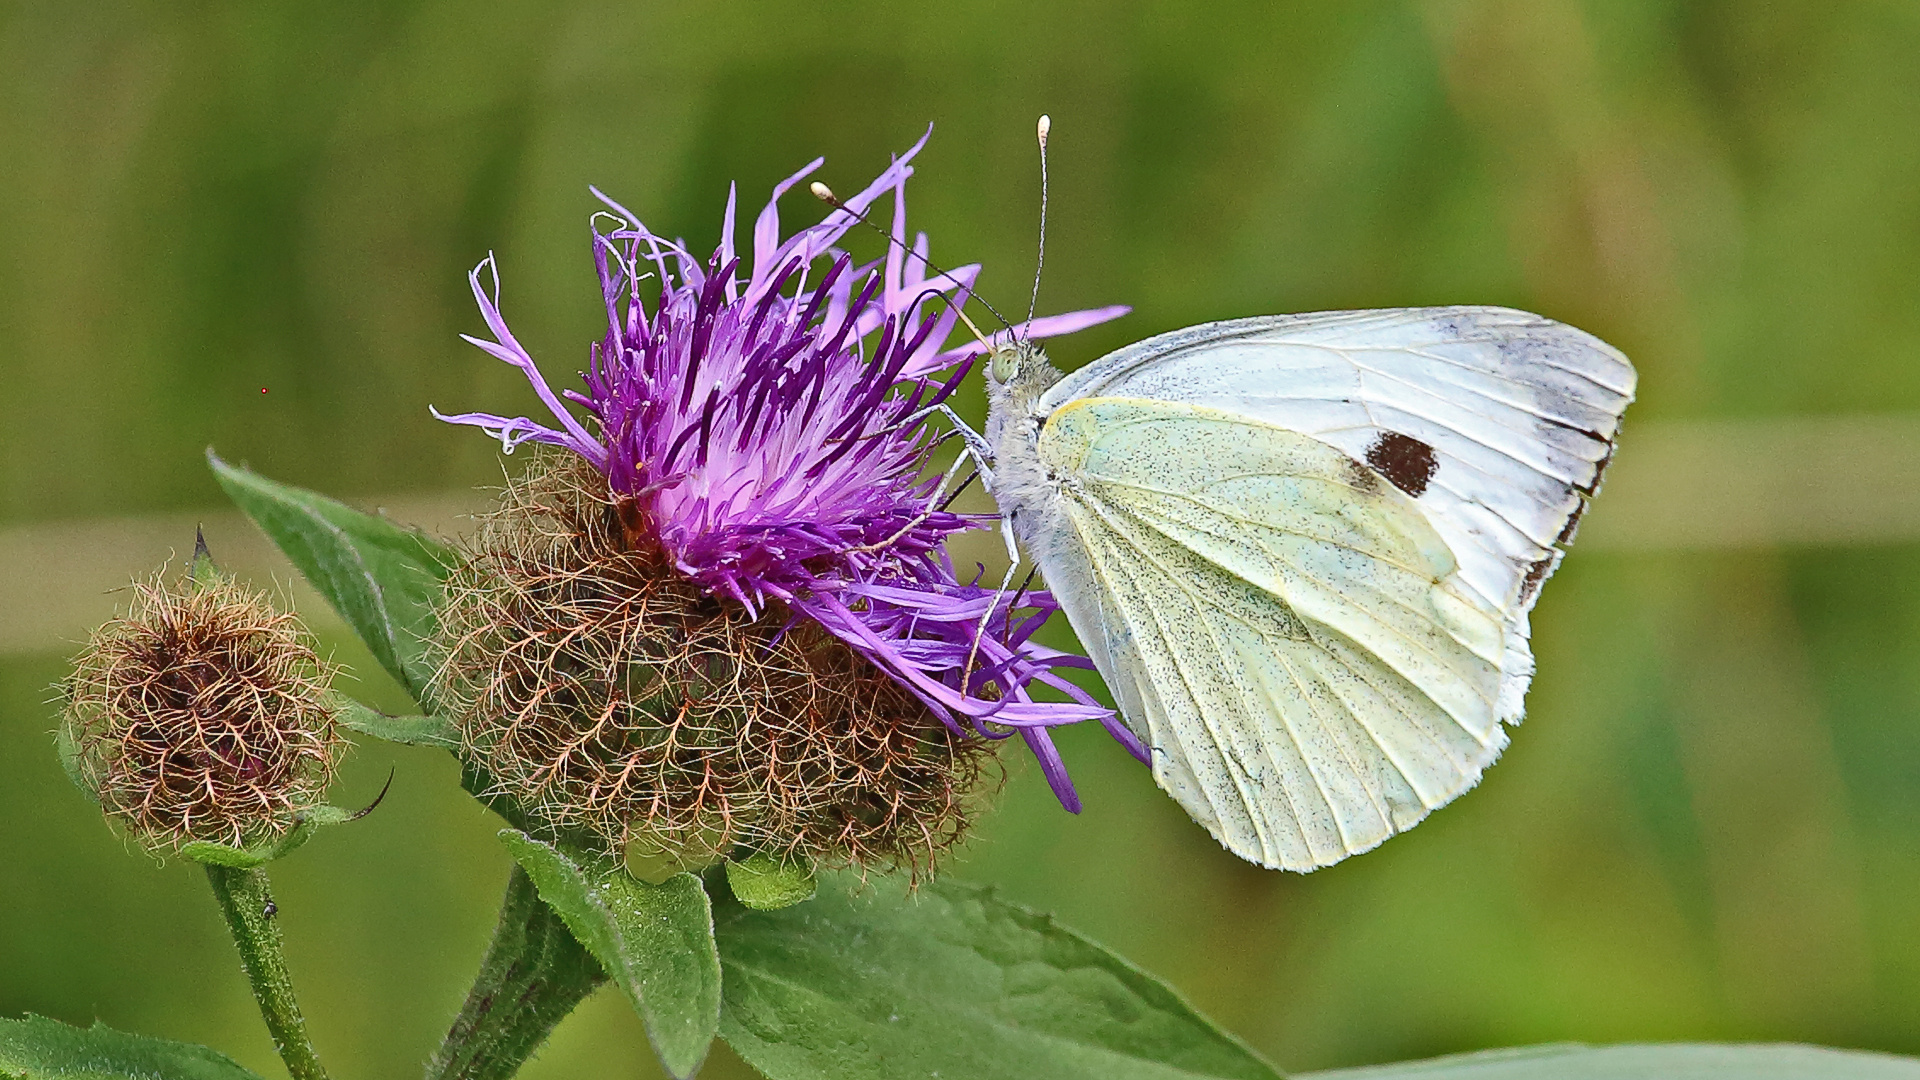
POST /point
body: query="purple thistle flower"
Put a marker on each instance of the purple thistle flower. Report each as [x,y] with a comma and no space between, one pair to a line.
[768,428]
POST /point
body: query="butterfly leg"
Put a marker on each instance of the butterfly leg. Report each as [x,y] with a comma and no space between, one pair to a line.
[981,452]
[976,443]
[986,618]
[933,504]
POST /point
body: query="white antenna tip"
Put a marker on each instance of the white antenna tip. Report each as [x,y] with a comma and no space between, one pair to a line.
[823,193]
[1045,125]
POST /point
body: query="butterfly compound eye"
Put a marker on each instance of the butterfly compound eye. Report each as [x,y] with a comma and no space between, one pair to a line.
[1004,365]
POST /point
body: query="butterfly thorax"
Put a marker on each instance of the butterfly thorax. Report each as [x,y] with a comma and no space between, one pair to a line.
[1017,376]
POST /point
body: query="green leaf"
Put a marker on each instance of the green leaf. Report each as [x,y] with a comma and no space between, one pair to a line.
[655,941]
[765,883]
[69,751]
[1673,1061]
[533,961]
[383,579]
[35,1047]
[478,783]
[413,730]
[213,853]
[201,570]
[954,982]
[305,825]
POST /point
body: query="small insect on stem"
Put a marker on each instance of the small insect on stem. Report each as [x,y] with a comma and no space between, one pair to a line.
[270,910]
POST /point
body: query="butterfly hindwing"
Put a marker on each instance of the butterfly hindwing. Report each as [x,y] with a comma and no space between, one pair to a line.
[1312,674]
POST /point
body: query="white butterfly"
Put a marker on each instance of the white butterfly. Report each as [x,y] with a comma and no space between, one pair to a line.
[1301,549]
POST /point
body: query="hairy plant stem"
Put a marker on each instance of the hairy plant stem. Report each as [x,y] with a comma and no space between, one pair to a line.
[533,975]
[247,903]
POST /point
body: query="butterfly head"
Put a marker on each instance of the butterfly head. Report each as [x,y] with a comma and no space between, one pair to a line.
[1004,363]
[1017,374]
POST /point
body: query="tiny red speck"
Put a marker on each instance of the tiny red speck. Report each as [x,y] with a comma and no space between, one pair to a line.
[263,389]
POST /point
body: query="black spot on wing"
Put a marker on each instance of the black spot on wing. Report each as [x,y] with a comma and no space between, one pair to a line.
[1404,460]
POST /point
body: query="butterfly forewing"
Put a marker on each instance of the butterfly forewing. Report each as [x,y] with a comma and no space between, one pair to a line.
[1498,422]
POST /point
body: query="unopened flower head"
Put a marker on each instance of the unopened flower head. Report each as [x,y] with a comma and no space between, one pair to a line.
[760,432]
[201,714]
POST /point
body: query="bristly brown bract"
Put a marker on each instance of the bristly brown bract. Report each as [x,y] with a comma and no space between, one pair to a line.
[201,714]
[610,696]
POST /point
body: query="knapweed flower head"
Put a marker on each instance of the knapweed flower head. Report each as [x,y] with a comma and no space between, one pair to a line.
[756,440]
[201,714]
[620,700]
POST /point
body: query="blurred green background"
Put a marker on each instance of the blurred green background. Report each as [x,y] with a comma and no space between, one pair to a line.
[248,225]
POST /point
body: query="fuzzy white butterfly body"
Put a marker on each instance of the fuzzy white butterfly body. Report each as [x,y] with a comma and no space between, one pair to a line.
[1301,549]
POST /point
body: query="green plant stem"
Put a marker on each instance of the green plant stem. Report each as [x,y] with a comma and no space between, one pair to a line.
[534,973]
[247,902]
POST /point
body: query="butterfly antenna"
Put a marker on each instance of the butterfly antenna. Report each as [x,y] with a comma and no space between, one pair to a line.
[974,330]
[1040,262]
[825,194]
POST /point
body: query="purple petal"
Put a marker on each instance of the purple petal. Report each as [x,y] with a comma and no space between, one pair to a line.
[766,230]
[506,347]
[1045,326]
[510,431]
[1055,770]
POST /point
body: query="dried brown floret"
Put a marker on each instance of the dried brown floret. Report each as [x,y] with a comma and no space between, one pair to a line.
[201,715]
[612,697]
